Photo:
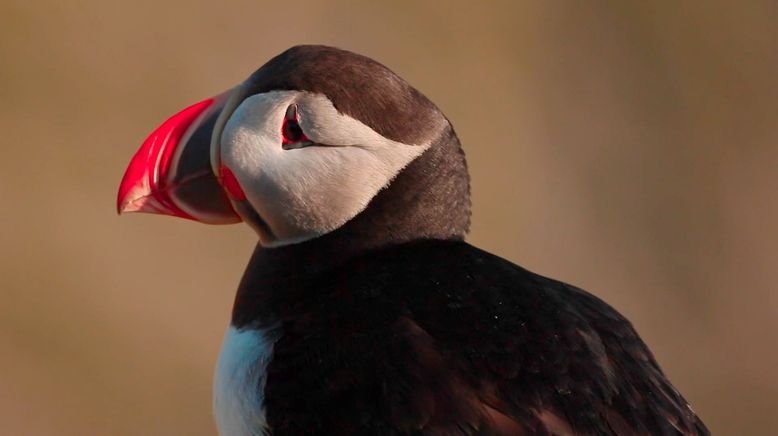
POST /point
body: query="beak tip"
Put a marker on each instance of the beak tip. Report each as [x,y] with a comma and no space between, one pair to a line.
[120,203]
[121,208]
[132,190]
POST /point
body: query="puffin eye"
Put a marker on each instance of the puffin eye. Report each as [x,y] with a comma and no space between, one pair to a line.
[292,135]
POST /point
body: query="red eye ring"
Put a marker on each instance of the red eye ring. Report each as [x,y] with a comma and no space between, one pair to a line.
[291,132]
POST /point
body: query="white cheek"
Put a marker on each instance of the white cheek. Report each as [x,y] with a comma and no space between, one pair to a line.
[304,193]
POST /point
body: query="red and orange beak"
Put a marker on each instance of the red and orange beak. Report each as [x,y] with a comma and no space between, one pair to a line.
[172,173]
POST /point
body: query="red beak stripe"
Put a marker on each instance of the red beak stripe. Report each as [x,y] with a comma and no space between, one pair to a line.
[143,187]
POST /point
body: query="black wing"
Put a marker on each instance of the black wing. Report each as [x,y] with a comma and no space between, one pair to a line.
[442,338]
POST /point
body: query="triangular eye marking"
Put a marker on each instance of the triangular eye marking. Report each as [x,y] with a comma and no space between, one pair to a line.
[291,112]
[292,135]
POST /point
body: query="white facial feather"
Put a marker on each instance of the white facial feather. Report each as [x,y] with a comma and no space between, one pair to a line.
[239,382]
[307,192]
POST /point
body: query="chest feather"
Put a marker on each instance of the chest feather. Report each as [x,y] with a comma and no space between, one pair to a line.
[239,381]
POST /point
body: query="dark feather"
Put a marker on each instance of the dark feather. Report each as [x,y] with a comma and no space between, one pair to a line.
[441,338]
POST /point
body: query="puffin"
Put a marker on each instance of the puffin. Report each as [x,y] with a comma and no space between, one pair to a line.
[362,310]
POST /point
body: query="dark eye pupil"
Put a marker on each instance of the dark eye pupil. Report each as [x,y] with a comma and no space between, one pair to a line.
[292,131]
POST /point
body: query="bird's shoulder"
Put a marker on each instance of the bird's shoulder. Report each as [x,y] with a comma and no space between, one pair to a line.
[444,337]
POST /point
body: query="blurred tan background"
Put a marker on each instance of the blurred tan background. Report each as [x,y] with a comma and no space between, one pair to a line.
[624,147]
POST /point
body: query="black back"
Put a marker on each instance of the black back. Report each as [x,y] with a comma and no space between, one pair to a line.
[439,337]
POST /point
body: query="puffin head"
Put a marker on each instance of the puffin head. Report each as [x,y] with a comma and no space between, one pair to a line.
[317,139]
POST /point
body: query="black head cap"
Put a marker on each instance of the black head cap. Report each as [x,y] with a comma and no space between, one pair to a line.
[357,86]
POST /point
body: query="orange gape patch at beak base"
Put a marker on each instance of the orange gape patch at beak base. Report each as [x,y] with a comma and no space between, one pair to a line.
[230,184]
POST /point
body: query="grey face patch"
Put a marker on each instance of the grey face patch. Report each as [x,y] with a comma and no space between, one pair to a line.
[344,186]
[304,193]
